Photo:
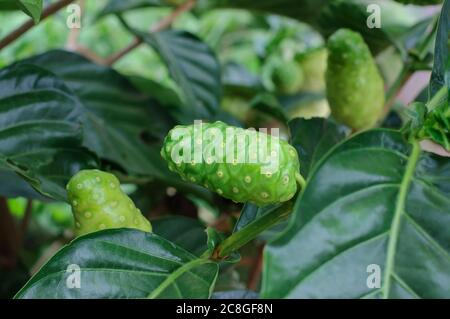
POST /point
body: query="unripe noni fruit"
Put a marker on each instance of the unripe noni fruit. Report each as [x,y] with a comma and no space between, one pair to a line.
[99,203]
[233,162]
[287,77]
[355,88]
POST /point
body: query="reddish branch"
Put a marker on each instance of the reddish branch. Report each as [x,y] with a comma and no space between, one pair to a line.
[8,236]
[161,25]
[255,271]
[11,237]
[51,9]
[25,221]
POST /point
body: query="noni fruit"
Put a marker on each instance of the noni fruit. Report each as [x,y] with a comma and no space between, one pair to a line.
[355,88]
[241,165]
[99,203]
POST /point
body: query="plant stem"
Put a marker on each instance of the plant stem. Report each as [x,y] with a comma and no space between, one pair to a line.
[51,9]
[255,272]
[24,224]
[8,236]
[161,25]
[249,232]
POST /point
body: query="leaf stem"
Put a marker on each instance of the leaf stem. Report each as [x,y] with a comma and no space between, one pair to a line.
[249,232]
[397,218]
[50,10]
[8,236]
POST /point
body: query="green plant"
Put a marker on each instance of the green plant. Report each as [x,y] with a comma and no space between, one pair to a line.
[351,205]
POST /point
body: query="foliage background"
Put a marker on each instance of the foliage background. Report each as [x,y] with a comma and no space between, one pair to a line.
[222,72]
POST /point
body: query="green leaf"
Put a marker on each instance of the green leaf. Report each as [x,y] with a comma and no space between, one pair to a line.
[153,267]
[370,201]
[185,232]
[16,186]
[33,8]
[313,139]
[119,6]
[166,96]
[40,130]
[440,75]
[121,124]
[193,66]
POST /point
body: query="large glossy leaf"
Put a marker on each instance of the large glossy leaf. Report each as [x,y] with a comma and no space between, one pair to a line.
[195,69]
[313,139]
[121,124]
[40,130]
[187,233]
[440,75]
[33,8]
[373,200]
[123,263]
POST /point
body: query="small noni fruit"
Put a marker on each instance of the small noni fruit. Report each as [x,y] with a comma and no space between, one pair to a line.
[99,203]
[355,88]
[204,154]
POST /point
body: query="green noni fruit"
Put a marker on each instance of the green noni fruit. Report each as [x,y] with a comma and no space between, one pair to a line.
[99,203]
[287,76]
[355,88]
[233,162]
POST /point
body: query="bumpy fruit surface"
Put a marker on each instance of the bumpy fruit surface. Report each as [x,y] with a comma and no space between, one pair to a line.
[287,76]
[355,88]
[99,203]
[240,181]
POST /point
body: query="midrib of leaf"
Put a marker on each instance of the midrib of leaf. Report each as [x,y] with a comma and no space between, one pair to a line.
[177,273]
[399,211]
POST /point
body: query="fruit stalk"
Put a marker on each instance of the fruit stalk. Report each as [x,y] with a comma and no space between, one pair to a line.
[249,232]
